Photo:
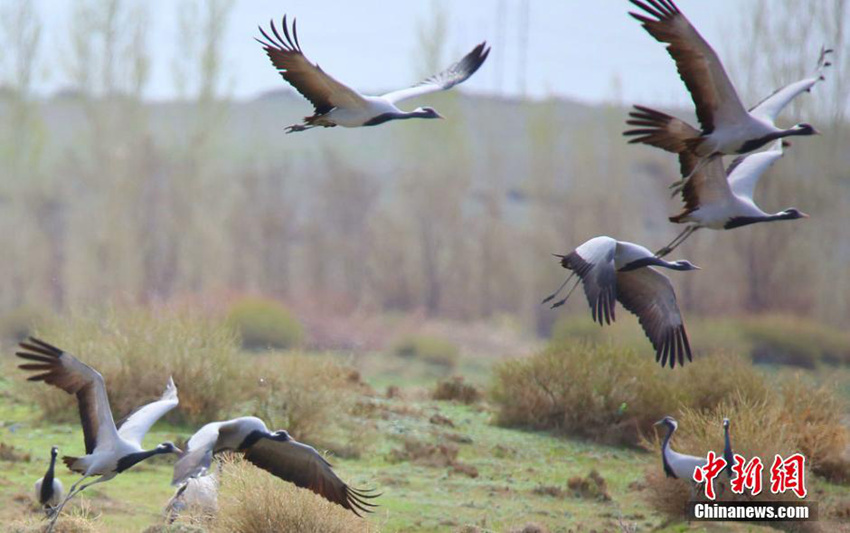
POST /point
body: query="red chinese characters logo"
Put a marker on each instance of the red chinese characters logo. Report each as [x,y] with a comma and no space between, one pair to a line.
[712,468]
[747,475]
[789,474]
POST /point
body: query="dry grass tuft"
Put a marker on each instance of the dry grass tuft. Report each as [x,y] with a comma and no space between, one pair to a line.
[425,453]
[531,527]
[252,501]
[136,351]
[67,523]
[456,390]
[314,398]
[614,394]
[813,414]
[591,487]
[600,392]
[11,454]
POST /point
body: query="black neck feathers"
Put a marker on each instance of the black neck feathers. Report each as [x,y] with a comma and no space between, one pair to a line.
[664,446]
[727,452]
[257,434]
[252,439]
[737,222]
[386,117]
[643,262]
[130,460]
[47,482]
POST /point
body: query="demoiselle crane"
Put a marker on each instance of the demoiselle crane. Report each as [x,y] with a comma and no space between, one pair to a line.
[722,199]
[727,126]
[614,270]
[48,489]
[276,452]
[336,104]
[109,450]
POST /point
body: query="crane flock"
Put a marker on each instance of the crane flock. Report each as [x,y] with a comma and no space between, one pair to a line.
[715,196]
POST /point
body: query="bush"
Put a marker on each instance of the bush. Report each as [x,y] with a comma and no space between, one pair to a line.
[312,397]
[615,394]
[794,341]
[814,416]
[433,350]
[252,501]
[265,324]
[599,392]
[456,390]
[136,351]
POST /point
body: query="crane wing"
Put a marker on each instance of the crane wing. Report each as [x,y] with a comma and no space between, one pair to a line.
[593,261]
[303,466]
[699,67]
[745,171]
[457,73]
[648,294]
[320,88]
[63,370]
[769,108]
[140,421]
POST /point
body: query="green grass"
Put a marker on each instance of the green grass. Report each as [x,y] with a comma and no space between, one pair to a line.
[416,498]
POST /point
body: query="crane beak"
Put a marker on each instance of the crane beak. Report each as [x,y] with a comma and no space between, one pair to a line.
[659,422]
[804,215]
[441,117]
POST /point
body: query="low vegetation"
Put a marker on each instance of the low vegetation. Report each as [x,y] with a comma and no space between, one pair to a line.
[265,324]
[137,350]
[312,397]
[434,350]
[456,389]
[251,501]
[794,341]
[614,394]
[600,392]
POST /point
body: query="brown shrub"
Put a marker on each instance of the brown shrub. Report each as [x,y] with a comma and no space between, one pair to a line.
[813,414]
[67,523]
[714,378]
[600,392]
[456,390]
[13,455]
[425,453]
[465,469]
[252,501]
[314,398]
[591,487]
[439,420]
[136,351]
[614,394]
[531,527]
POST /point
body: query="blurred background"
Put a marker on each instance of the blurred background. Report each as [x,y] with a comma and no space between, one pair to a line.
[144,160]
[377,291]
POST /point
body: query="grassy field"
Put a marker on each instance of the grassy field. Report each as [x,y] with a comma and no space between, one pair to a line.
[441,467]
